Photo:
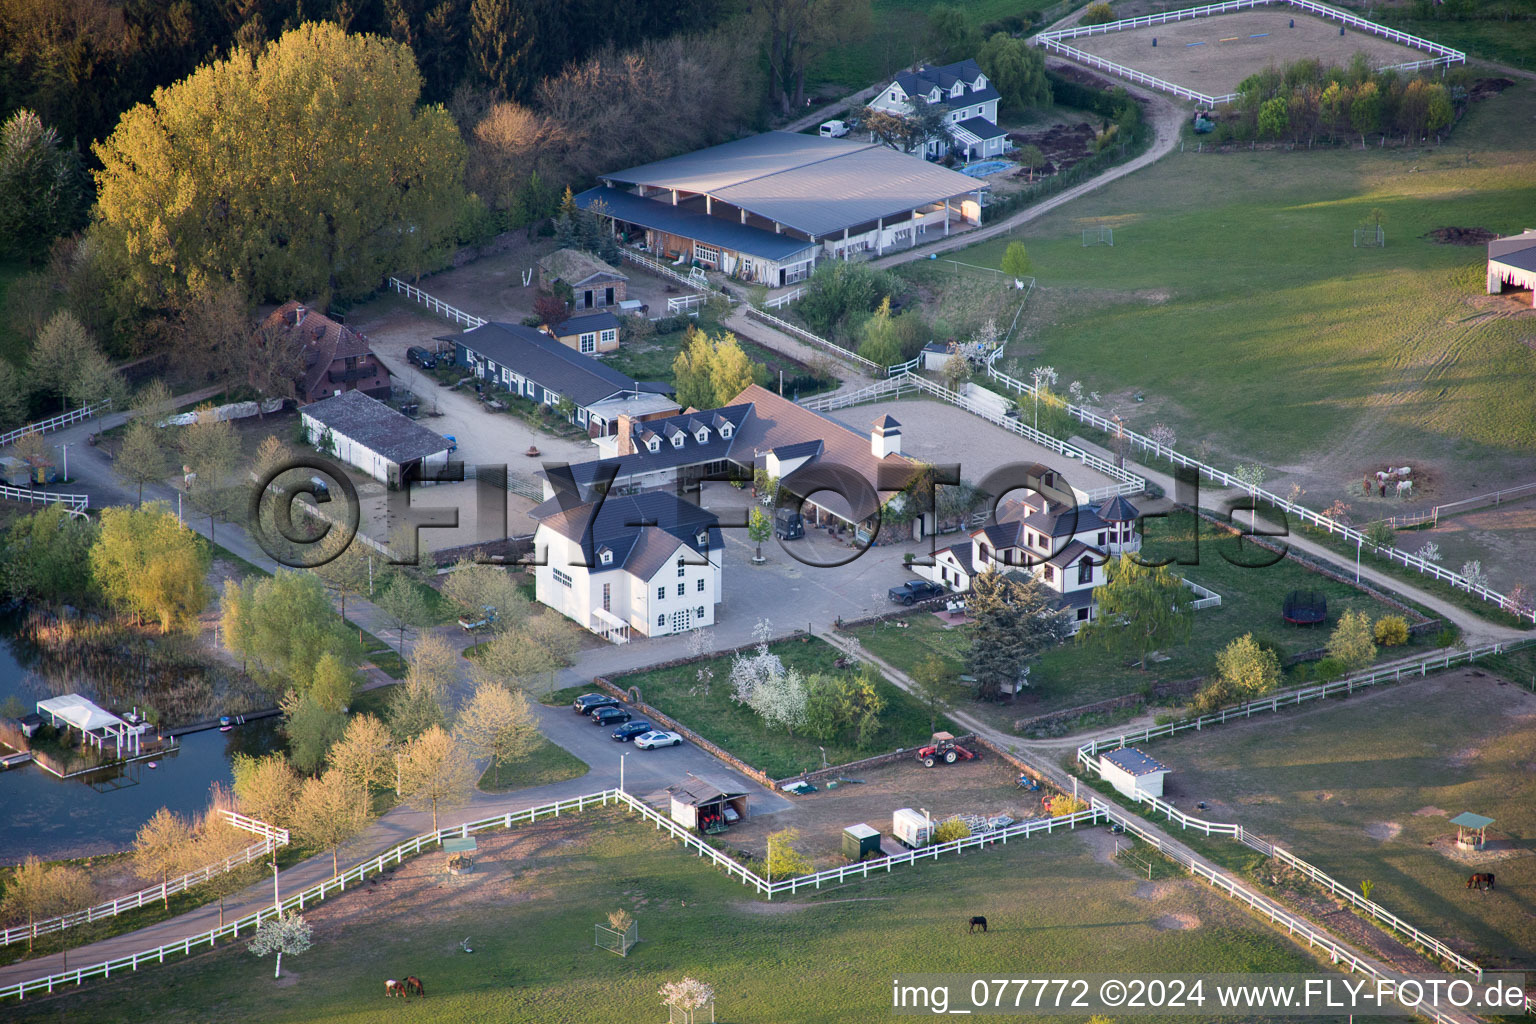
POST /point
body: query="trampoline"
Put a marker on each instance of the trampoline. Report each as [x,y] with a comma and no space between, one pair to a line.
[1305,608]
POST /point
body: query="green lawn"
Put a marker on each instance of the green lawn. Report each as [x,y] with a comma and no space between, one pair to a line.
[1509,42]
[564,697]
[717,717]
[1234,300]
[529,909]
[13,344]
[540,765]
[1364,788]
[652,358]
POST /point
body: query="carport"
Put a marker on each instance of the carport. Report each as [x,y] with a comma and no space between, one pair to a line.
[702,803]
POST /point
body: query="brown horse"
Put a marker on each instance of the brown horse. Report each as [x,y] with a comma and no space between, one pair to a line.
[1481,881]
[979,922]
[394,988]
[414,984]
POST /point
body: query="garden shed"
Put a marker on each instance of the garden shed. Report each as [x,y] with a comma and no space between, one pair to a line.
[707,805]
[1133,773]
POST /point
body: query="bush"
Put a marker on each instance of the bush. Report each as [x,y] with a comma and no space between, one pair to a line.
[949,831]
[1064,805]
[1098,14]
[1329,669]
[1446,637]
[1391,631]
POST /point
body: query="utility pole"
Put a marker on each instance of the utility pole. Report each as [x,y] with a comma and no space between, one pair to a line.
[65,449]
[277,899]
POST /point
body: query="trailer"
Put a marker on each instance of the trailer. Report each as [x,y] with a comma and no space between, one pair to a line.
[911,828]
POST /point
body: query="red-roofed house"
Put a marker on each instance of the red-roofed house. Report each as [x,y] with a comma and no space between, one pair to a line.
[336,358]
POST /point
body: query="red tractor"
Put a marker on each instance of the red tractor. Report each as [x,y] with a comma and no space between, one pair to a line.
[944,748]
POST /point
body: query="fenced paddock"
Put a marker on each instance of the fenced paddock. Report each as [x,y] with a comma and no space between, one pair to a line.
[1203,53]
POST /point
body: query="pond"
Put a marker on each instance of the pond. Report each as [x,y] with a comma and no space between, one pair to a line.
[100,813]
[986,167]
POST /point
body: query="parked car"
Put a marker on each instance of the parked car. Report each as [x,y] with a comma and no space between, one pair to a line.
[420,357]
[610,716]
[629,730]
[659,738]
[590,702]
[453,443]
[833,129]
[915,590]
[787,524]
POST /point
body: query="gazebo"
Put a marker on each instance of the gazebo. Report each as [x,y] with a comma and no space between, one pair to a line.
[97,726]
[1471,830]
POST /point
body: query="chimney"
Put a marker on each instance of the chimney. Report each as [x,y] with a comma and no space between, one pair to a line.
[885,438]
[626,435]
[299,313]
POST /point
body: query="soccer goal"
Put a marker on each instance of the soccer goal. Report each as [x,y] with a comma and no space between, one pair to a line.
[1098,236]
[1370,238]
[618,940]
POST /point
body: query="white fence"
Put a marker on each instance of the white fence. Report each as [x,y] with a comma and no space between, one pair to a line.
[780,301]
[59,422]
[683,303]
[272,838]
[1301,512]
[657,267]
[814,339]
[435,305]
[1494,498]
[1203,598]
[78,504]
[1443,55]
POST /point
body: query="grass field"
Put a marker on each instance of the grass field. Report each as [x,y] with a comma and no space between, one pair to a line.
[541,764]
[13,345]
[1365,789]
[718,718]
[1259,329]
[1507,41]
[533,898]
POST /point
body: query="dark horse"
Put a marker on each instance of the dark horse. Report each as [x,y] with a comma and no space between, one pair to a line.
[979,922]
[413,984]
[1480,881]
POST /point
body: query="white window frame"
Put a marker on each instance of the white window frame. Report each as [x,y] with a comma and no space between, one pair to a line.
[607,558]
[588,343]
[654,444]
[609,335]
[706,253]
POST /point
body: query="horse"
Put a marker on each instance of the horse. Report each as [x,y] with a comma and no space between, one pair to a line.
[980,922]
[414,984]
[394,988]
[1480,881]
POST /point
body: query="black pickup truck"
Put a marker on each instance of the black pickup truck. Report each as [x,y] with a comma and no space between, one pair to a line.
[915,590]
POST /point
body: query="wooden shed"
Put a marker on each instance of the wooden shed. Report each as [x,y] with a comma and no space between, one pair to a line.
[707,805]
[1133,773]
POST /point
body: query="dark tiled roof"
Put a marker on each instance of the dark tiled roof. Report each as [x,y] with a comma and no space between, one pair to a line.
[962,553]
[376,426]
[698,790]
[717,231]
[1117,510]
[1133,761]
[887,422]
[693,452]
[587,322]
[1074,599]
[798,451]
[981,128]
[545,361]
[944,76]
[324,341]
[1071,553]
[643,530]
[1524,259]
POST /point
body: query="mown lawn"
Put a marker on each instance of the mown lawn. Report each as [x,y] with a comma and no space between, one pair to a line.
[540,764]
[529,910]
[1234,300]
[1364,789]
[711,712]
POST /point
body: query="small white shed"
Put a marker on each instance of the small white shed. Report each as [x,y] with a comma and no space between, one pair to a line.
[1133,773]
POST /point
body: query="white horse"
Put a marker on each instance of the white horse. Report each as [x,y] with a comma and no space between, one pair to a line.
[1405,489]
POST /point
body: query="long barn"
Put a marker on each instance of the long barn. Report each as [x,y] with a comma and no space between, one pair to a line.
[765,208]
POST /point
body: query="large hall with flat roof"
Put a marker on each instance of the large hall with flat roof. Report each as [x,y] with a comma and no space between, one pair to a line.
[765,208]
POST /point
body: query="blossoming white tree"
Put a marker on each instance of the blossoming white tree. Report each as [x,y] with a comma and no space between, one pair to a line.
[287,934]
[686,997]
[781,700]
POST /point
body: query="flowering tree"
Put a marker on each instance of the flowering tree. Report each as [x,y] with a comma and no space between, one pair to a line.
[1251,476]
[1162,433]
[750,670]
[1473,571]
[287,934]
[686,996]
[781,700]
[1518,600]
[1430,552]
[698,646]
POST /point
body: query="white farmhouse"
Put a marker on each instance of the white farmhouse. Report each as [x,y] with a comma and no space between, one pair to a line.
[634,565]
[971,100]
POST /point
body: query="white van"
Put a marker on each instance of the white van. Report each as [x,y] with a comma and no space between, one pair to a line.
[833,129]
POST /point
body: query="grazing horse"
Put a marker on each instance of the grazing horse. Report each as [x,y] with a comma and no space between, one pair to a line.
[394,988]
[1481,881]
[979,922]
[413,984]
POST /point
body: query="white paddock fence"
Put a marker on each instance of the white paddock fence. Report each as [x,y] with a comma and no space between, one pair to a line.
[780,301]
[1334,887]
[78,504]
[910,383]
[436,305]
[59,422]
[1493,498]
[1297,927]
[815,339]
[1259,494]
[658,267]
[1204,598]
[271,839]
[1055,41]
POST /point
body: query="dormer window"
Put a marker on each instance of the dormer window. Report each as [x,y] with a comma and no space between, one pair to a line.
[677,440]
[606,558]
[725,430]
[703,538]
[703,435]
[957,90]
[654,444]
[981,83]
[934,96]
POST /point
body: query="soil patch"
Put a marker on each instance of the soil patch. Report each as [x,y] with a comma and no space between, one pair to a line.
[1493,850]
[1485,87]
[778,909]
[1154,891]
[1351,928]
[1462,236]
[1176,922]
[1430,811]
[1383,830]
[1062,145]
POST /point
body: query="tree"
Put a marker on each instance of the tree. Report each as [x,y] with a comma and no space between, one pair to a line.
[951,36]
[210,448]
[1029,157]
[1016,263]
[950,831]
[148,563]
[141,459]
[286,934]
[711,370]
[1098,13]
[784,861]
[312,729]
[333,682]
[480,589]
[502,35]
[1016,70]
[498,724]
[1351,643]
[15,392]
[1390,631]
[404,605]
[881,344]
[38,890]
[1380,535]
[934,688]
[434,771]
[759,529]
[780,700]
[1365,110]
[349,572]
[1274,117]
[1141,609]
[288,627]
[42,186]
[686,996]
[61,347]
[46,557]
[327,814]
[364,756]
[798,32]
[1244,670]
[1014,622]
[1472,572]
[957,370]
[265,787]
[95,380]
[163,847]
[860,704]
[307,168]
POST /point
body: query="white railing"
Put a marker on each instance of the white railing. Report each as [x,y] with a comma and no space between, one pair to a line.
[1203,598]
[682,303]
[657,267]
[1297,927]
[436,305]
[909,366]
[780,301]
[1443,55]
[1494,498]
[1301,512]
[271,839]
[59,422]
[1335,888]
[78,504]
[814,339]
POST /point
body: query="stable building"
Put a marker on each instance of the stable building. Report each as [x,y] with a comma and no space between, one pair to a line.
[593,283]
[368,434]
[589,333]
[765,208]
[1512,263]
[335,357]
